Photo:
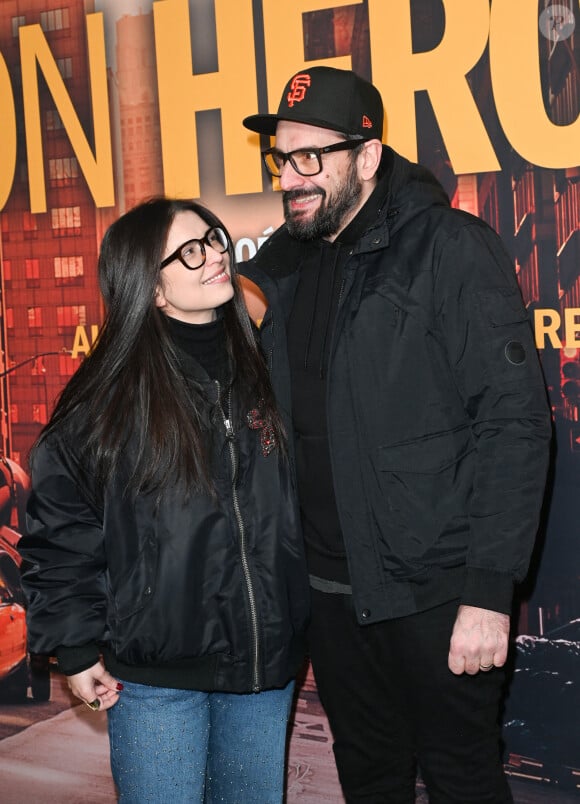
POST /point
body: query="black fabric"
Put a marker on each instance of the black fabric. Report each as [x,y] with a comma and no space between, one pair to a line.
[204,342]
[393,705]
[310,329]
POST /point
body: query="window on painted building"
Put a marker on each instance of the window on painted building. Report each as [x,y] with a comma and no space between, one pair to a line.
[37,367]
[69,317]
[68,270]
[63,171]
[55,20]
[7,270]
[65,67]
[67,366]
[29,226]
[38,371]
[39,413]
[14,414]
[16,23]
[34,317]
[9,317]
[32,272]
[53,121]
[66,221]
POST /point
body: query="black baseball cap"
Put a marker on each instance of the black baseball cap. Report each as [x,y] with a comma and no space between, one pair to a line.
[324,96]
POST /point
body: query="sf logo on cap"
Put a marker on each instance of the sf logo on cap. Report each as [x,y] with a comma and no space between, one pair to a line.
[298,87]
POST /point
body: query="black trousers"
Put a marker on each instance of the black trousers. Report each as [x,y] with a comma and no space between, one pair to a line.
[393,705]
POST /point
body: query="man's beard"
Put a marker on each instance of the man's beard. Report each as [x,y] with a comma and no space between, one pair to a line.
[328,218]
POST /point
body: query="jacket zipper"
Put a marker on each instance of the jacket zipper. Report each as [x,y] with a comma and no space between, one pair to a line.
[230,436]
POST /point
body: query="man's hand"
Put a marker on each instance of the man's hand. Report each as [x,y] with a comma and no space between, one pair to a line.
[95,687]
[479,640]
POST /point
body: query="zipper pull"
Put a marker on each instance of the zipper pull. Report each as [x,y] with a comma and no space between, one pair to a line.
[229,429]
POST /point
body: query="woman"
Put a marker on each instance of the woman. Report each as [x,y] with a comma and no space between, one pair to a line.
[167,570]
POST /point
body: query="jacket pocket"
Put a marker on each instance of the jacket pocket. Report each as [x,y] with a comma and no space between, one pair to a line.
[135,588]
[420,499]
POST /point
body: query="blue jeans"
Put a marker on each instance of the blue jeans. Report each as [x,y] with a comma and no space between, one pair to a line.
[179,746]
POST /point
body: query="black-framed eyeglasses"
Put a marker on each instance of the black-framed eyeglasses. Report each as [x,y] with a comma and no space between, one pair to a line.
[192,253]
[305,161]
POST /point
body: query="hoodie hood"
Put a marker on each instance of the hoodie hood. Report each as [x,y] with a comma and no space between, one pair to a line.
[404,190]
[409,189]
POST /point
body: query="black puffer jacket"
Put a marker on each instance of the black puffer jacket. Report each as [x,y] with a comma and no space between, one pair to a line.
[438,422]
[193,593]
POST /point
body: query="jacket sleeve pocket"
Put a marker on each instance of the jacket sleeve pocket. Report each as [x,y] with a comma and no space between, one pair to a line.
[502,306]
[506,341]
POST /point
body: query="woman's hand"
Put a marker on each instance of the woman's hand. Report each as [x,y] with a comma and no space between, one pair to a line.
[95,687]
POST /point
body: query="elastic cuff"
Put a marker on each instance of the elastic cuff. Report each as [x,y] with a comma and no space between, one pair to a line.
[488,589]
[75,660]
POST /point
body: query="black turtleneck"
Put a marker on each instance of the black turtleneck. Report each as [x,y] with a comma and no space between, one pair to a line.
[205,343]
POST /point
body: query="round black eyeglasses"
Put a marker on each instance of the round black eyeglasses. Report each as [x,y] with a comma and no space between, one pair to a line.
[305,161]
[191,254]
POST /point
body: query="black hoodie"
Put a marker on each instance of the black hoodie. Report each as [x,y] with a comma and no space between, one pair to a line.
[310,330]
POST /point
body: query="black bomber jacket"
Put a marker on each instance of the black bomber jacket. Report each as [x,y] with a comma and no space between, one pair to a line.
[191,593]
[438,422]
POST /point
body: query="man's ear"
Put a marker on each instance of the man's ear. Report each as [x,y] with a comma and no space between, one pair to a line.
[370,159]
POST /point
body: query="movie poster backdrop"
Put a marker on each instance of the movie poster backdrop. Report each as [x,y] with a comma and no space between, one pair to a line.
[104,103]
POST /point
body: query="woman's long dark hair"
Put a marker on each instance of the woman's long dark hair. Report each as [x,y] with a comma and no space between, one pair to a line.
[130,389]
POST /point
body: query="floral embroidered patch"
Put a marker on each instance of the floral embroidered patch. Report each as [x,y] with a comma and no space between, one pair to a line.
[256,421]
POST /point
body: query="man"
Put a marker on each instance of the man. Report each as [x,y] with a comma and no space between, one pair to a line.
[421,434]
